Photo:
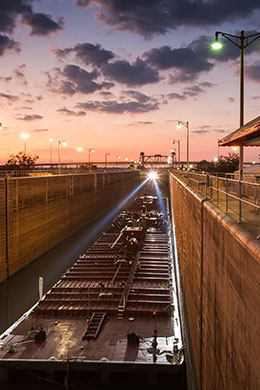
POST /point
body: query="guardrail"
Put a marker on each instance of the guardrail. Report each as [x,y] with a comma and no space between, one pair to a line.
[239,199]
[50,172]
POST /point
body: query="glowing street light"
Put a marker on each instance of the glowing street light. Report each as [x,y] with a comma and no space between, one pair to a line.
[216,45]
[51,141]
[79,149]
[241,41]
[61,143]
[186,124]
[234,148]
[91,150]
[215,159]
[25,136]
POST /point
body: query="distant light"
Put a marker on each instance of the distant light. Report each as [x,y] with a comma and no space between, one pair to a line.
[51,139]
[79,149]
[126,159]
[234,148]
[64,143]
[190,166]
[179,125]
[25,135]
[216,45]
[152,175]
[215,159]
[1,126]
[253,162]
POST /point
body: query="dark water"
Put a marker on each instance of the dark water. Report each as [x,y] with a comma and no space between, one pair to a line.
[21,292]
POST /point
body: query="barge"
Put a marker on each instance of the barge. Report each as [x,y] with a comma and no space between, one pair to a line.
[112,318]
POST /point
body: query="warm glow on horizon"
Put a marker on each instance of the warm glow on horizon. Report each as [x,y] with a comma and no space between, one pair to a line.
[67,76]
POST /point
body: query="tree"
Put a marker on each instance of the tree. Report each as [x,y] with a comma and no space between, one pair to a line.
[229,163]
[204,165]
[21,161]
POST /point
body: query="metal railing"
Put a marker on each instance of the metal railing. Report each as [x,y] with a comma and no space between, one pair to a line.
[50,172]
[239,199]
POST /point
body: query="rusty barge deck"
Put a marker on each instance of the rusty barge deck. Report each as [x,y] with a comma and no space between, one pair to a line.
[113,313]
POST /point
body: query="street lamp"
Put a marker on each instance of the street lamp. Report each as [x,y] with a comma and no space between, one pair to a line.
[241,41]
[106,154]
[79,149]
[25,136]
[185,124]
[179,148]
[61,143]
[89,151]
[51,141]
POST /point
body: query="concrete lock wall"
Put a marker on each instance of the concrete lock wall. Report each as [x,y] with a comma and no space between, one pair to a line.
[36,213]
[220,273]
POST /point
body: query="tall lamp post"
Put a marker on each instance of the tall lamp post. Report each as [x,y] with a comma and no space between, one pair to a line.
[179,153]
[61,143]
[25,136]
[51,141]
[106,154]
[79,149]
[186,124]
[241,41]
[89,151]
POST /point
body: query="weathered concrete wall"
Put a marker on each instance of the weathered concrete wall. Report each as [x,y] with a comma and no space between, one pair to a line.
[220,272]
[39,212]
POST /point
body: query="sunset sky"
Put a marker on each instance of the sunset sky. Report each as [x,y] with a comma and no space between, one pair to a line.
[117,75]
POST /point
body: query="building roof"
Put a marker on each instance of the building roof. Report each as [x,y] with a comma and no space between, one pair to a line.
[247,135]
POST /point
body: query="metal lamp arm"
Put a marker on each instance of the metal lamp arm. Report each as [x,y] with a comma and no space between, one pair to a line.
[253,40]
[183,123]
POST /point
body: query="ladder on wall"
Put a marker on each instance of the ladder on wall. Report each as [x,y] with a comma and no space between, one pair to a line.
[94,325]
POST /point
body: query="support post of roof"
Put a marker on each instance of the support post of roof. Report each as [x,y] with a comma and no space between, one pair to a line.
[242,66]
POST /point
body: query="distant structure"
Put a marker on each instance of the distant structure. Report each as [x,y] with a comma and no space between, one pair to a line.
[157,160]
